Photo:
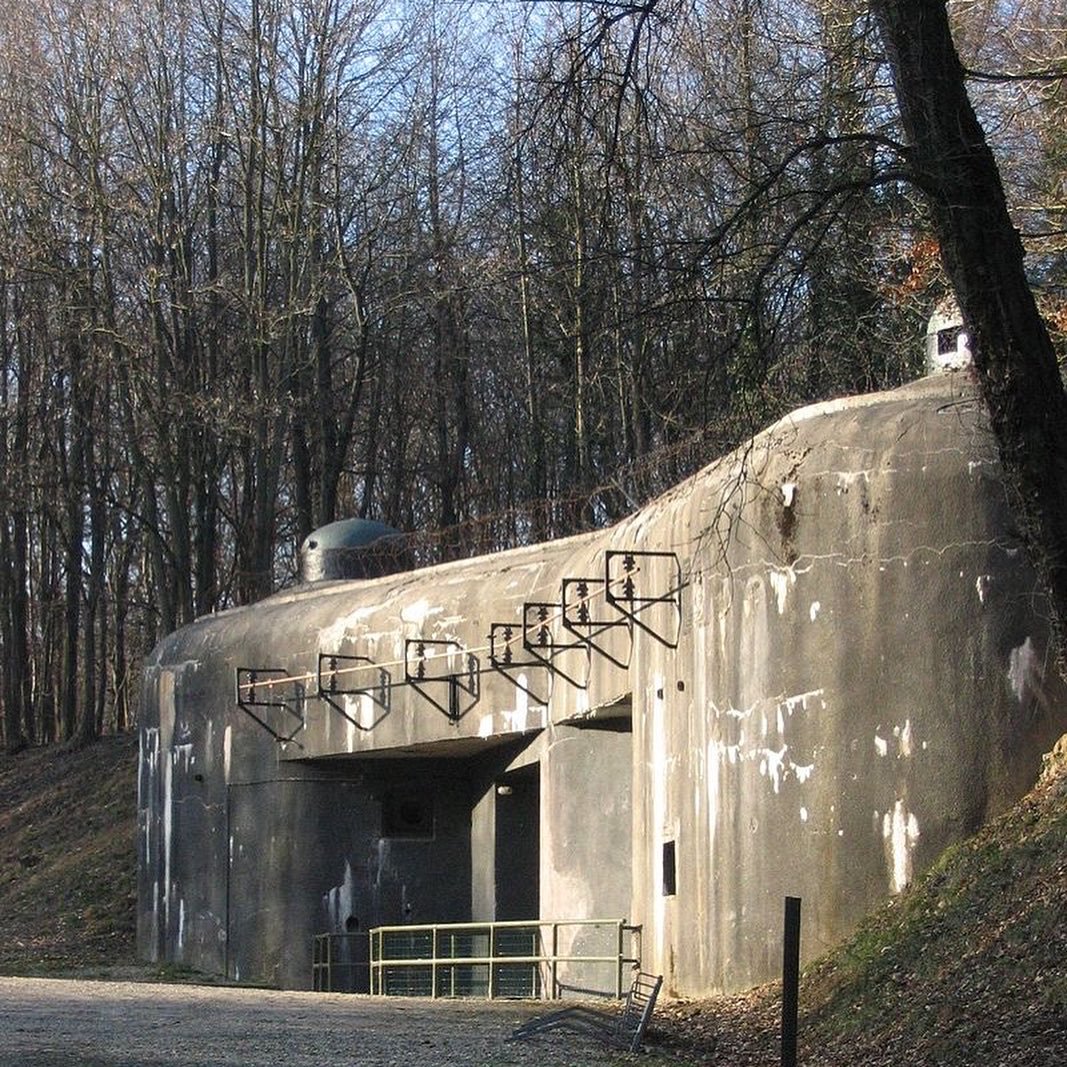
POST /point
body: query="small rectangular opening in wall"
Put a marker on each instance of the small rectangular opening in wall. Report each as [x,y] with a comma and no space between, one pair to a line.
[670,880]
[405,814]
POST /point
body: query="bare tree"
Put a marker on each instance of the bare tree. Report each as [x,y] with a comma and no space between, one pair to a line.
[984,258]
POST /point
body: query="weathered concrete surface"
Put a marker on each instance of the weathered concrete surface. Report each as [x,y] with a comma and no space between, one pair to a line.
[864,679]
[49,1023]
[854,677]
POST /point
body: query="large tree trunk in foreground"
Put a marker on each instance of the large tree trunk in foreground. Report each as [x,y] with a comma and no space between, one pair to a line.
[983,257]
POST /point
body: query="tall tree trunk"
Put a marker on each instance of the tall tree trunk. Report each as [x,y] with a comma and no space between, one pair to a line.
[536,487]
[14,465]
[94,625]
[120,583]
[983,256]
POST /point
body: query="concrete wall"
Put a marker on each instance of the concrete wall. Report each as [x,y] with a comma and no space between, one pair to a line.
[860,682]
[587,852]
[852,676]
[586,820]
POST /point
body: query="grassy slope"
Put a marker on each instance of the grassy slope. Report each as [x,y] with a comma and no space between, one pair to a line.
[973,958]
[67,863]
[967,967]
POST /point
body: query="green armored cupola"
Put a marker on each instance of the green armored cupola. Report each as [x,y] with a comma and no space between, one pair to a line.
[352,548]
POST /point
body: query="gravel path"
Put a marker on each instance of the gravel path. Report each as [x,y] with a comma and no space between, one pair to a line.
[53,1023]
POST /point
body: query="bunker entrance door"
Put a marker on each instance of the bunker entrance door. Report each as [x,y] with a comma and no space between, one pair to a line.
[518,844]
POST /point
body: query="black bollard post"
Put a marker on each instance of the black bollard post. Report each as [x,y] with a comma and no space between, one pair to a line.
[790,981]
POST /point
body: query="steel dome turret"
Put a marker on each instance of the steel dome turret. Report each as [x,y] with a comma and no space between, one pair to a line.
[352,548]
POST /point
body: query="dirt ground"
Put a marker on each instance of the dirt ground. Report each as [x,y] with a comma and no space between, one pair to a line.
[60,1023]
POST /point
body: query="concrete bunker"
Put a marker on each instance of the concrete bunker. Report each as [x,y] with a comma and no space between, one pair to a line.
[825,665]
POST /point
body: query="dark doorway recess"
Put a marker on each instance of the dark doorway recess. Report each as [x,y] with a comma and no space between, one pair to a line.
[518,844]
[670,875]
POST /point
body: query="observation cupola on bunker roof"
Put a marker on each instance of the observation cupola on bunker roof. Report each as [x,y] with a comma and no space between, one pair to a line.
[948,346]
[352,548]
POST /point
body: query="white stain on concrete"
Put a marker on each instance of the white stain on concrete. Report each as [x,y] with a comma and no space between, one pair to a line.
[155,915]
[847,479]
[772,765]
[803,814]
[736,713]
[731,752]
[151,748]
[881,745]
[789,491]
[525,716]
[332,637]
[384,851]
[227,749]
[516,722]
[711,768]
[813,611]
[360,713]
[338,901]
[1024,671]
[522,695]
[147,768]
[782,579]
[904,739]
[900,833]
[362,710]
[581,701]
[418,612]
[981,585]
[799,701]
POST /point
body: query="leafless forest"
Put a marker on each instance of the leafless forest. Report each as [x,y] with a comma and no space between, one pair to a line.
[488,272]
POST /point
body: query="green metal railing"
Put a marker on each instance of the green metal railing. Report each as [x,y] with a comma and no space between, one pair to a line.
[339,963]
[505,959]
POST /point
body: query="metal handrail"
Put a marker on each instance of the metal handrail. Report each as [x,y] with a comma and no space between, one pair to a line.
[334,971]
[548,961]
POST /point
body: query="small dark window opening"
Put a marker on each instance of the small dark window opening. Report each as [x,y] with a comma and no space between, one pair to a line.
[948,340]
[407,815]
[351,924]
[670,877]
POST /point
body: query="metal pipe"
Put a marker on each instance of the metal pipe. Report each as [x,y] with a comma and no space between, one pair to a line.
[790,981]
